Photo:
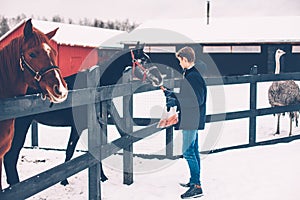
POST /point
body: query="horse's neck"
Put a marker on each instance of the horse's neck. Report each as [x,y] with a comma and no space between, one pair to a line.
[11,78]
[13,86]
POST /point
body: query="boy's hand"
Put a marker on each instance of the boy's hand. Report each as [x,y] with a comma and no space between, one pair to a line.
[171,102]
[168,93]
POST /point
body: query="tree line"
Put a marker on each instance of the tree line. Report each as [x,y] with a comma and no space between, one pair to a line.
[7,23]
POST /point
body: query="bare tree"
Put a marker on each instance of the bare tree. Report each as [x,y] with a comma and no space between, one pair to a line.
[3,26]
[126,25]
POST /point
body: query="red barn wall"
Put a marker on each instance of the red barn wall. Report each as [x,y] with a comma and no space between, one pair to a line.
[72,59]
[16,33]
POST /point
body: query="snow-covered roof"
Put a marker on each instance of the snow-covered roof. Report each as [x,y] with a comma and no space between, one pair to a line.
[71,34]
[219,30]
[171,31]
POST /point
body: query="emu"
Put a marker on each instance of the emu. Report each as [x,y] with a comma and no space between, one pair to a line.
[283,93]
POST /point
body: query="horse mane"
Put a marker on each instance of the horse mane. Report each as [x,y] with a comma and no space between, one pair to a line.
[9,57]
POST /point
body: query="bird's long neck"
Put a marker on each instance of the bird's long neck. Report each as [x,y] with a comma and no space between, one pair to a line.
[277,64]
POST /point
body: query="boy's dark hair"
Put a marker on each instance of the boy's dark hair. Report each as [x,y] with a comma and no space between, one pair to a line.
[186,52]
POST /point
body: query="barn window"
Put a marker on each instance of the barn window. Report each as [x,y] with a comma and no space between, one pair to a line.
[246,49]
[160,49]
[296,49]
[216,49]
[232,49]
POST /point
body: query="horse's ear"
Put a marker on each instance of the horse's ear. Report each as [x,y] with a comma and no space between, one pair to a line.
[28,29]
[51,34]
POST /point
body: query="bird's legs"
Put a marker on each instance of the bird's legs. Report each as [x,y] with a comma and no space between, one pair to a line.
[278,125]
[293,115]
[291,122]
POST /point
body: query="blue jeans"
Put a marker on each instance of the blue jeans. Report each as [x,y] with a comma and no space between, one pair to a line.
[190,149]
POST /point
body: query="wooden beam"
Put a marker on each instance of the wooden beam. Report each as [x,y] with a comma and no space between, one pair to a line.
[94,140]
[48,178]
[127,140]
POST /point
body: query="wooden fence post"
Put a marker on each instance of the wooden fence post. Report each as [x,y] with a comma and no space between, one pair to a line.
[253,103]
[94,139]
[169,131]
[169,142]
[34,134]
[128,117]
[104,120]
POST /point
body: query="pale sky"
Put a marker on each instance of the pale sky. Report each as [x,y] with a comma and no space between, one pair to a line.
[142,10]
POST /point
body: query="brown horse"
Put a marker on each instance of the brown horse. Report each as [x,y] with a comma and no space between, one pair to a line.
[28,60]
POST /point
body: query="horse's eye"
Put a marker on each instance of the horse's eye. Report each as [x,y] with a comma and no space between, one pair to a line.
[32,55]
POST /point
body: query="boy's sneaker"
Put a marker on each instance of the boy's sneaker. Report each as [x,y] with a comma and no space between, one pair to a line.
[194,192]
[185,185]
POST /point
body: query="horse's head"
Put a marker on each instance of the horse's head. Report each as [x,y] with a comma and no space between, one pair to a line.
[127,60]
[143,69]
[38,63]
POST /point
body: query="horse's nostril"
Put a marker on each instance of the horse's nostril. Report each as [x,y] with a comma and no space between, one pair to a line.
[56,90]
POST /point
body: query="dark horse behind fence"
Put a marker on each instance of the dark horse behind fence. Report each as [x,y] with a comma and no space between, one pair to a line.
[112,74]
[28,60]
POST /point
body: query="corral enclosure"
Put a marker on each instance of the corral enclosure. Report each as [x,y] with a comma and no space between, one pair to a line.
[231,58]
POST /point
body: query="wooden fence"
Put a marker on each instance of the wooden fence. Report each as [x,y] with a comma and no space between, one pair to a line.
[99,149]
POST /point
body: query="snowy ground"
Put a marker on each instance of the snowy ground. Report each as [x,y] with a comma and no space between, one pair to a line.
[267,172]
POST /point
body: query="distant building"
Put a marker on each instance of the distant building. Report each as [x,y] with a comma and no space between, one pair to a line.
[233,44]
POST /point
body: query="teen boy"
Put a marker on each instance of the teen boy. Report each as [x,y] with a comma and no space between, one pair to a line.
[191,101]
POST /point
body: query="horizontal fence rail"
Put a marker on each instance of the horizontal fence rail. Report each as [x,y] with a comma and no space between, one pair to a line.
[33,104]
[48,178]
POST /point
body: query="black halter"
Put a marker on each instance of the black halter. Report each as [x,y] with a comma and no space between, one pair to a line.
[38,75]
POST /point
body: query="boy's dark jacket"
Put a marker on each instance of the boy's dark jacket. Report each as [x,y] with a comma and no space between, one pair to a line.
[191,101]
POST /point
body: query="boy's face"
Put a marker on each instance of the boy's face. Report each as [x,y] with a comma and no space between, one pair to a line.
[183,62]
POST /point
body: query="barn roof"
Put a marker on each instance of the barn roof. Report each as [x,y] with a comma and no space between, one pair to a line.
[220,30]
[71,34]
